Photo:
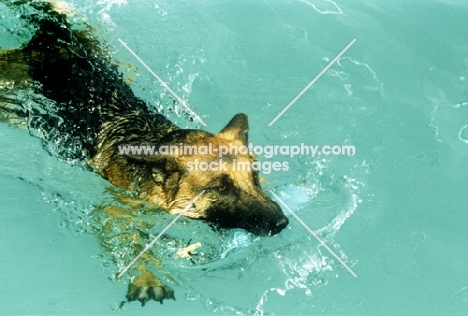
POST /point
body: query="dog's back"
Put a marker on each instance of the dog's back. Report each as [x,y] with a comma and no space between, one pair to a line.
[75,73]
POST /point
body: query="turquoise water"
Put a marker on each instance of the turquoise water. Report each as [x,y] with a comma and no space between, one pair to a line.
[395,212]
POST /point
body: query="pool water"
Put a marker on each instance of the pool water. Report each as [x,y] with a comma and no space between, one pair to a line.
[395,212]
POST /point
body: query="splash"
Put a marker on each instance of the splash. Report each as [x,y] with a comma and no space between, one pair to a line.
[241,239]
[304,266]
[334,226]
[74,215]
[109,3]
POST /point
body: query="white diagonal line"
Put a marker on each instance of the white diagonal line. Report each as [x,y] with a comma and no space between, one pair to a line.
[312,82]
[148,246]
[162,83]
[315,235]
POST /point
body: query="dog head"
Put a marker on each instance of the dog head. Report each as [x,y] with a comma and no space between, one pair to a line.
[222,166]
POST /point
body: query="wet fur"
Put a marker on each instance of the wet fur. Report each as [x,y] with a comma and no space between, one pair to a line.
[95,106]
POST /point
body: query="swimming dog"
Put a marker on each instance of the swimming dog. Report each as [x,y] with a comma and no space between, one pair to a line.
[95,107]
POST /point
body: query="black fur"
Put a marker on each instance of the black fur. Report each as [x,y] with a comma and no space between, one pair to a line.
[75,71]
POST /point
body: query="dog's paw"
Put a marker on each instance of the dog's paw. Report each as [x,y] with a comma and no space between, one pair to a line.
[147,287]
[146,293]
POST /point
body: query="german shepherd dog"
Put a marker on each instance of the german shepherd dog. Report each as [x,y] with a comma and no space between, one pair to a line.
[92,103]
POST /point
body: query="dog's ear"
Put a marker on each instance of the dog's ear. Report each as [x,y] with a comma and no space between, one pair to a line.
[236,129]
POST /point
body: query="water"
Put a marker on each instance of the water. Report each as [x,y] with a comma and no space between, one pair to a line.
[395,212]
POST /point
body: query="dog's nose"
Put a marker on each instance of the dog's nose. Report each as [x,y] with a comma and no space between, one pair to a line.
[279,225]
[282,223]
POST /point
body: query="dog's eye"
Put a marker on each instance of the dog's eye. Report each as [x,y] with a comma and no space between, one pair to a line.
[226,185]
[222,188]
